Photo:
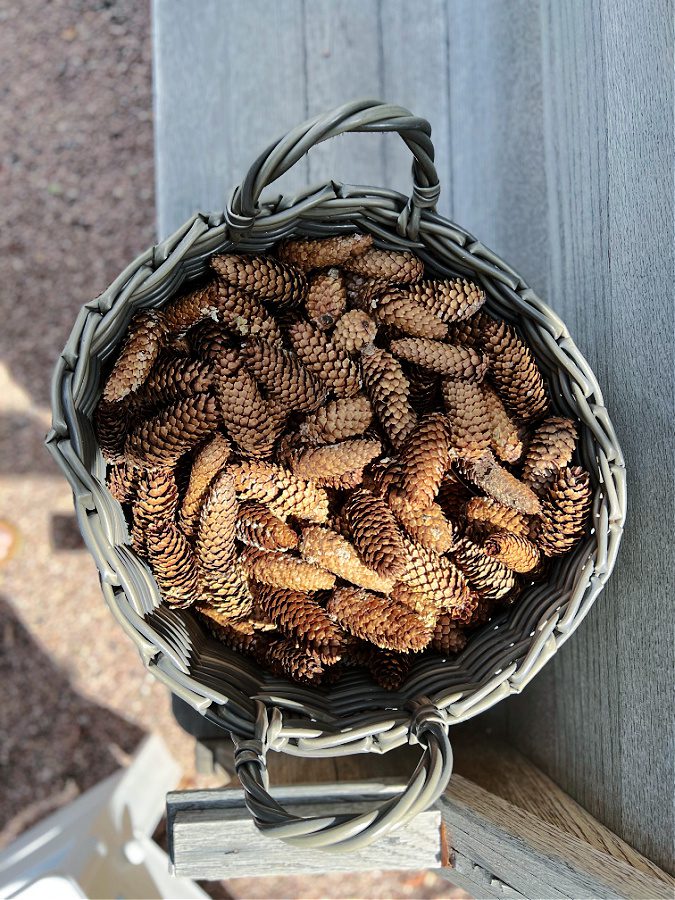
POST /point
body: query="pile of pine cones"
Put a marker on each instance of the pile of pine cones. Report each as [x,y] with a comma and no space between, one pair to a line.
[335,461]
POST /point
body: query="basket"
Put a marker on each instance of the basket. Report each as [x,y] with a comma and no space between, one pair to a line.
[259,710]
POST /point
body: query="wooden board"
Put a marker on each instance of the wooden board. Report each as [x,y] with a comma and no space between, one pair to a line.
[553,126]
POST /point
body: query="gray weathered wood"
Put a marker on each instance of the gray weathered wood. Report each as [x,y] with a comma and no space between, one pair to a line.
[553,123]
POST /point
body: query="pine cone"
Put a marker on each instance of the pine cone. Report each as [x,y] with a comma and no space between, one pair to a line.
[333,366]
[299,616]
[389,669]
[550,450]
[330,550]
[164,438]
[172,562]
[156,502]
[111,423]
[473,331]
[244,315]
[332,461]
[424,395]
[326,298]
[449,301]
[380,620]
[122,482]
[238,635]
[383,476]
[489,578]
[424,459]
[375,533]
[267,278]
[453,496]
[489,515]
[439,580]
[211,342]
[141,348]
[184,312]
[227,592]
[258,527]
[320,253]
[469,417]
[360,289]
[515,373]
[426,525]
[217,523]
[208,462]
[504,433]
[448,636]
[353,331]
[388,388]
[252,423]
[338,420]
[171,378]
[284,658]
[284,493]
[400,266]
[500,484]
[284,376]
[282,570]
[398,310]
[513,551]
[564,512]
[446,359]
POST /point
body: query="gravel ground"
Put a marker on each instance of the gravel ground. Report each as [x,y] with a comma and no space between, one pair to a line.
[76,178]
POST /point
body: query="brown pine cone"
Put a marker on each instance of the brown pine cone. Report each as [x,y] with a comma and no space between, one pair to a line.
[375,533]
[170,378]
[111,424]
[550,450]
[338,420]
[448,637]
[382,476]
[505,437]
[446,359]
[564,512]
[380,620]
[332,461]
[489,515]
[284,493]
[426,525]
[244,315]
[389,669]
[164,438]
[514,551]
[453,495]
[238,635]
[424,459]
[209,460]
[468,416]
[400,266]
[439,580]
[424,395]
[333,366]
[360,288]
[388,389]
[156,502]
[284,658]
[258,527]
[398,310]
[211,342]
[326,298]
[267,278]
[141,347]
[353,331]
[173,564]
[320,253]
[227,592]
[489,578]
[284,376]
[500,484]
[217,525]
[299,616]
[450,301]
[473,331]
[122,481]
[515,373]
[184,312]
[253,423]
[283,570]
[332,551]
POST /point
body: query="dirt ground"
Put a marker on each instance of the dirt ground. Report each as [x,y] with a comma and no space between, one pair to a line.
[76,180]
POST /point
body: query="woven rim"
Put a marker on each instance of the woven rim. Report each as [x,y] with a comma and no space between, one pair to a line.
[352,716]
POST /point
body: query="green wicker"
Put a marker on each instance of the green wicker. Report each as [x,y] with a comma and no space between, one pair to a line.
[353,716]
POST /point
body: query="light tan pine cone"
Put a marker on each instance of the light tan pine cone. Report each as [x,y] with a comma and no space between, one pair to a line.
[141,347]
[184,312]
[164,438]
[156,502]
[448,637]
[252,422]
[424,459]
[173,563]
[226,592]
[426,525]
[332,461]
[500,484]
[398,310]
[244,315]
[550,450]
[388,668]
[284,658]
[258,527]
[515,373]
[375,533]
[337,420]
[400,266]
[111,424]
[489,515]
[505,436]
[214,547]
[320,253]
[122,480]
[450,301]
[326,298]
[208,462]
[283,492]
[455,360]
[330,550]
[380,620]
[564,512]
[267,278]
[327,362]
[489,578]
[283,570]
[284,376]
[388,389]
[439,580]
[170,378]
[468,417]
[300,617]
[514,551]
[353,331]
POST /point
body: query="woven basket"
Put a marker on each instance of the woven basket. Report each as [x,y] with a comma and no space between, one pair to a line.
[259,710]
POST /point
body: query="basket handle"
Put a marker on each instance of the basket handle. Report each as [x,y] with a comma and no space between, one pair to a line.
[358,115]
[344,833]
